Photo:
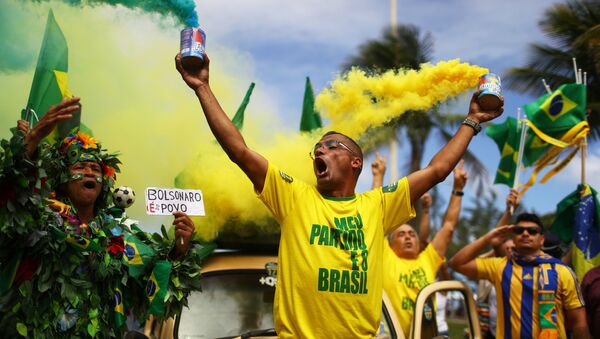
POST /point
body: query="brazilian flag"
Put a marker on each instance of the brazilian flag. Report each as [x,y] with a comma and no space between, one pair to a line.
[553,115]
[78,242]
[157,287]
[506,136]
[120,317]
[136,255]
[50,80]
[578,220]
[82,244]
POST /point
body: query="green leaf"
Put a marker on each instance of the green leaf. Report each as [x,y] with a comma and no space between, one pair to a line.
[22,181]
[44,285]
[91,329]
[176,282]
[163,230]
[75,301]
[22,329]
[10,206]
[16,307]
[93,313]
[81,283]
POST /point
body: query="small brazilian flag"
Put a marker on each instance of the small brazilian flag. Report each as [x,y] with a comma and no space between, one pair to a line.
[136,255]
[82,244]
[157,286]
[554,114]
[77,242]
[120,317]
[506,136]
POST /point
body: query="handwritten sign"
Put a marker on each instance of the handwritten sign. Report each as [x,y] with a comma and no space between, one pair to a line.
[165,201]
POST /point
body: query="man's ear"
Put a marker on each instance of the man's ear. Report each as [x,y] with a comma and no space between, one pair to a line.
[356,163]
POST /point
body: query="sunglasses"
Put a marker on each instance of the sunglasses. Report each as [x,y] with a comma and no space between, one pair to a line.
[531,230]
[329,144]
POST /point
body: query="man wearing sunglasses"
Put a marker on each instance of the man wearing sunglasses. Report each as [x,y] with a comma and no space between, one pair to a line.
[535,292]
[330,276]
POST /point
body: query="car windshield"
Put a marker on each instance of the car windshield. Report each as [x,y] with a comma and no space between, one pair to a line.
[230,304]
[233,303]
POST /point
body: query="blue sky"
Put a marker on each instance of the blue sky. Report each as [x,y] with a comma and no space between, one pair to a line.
[291,40]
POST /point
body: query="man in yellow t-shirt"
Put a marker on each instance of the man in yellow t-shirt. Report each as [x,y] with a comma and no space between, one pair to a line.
[331,251]
[407,269]
[534,291]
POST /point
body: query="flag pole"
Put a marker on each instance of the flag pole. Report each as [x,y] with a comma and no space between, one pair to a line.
[583,158]
[576,72]
[584,141]
[524,126]
[393,142]
[548,90]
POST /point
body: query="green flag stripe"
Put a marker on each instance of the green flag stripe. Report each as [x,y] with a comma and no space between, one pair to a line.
[238,118]
[53,56]
[310,119]
[506,137]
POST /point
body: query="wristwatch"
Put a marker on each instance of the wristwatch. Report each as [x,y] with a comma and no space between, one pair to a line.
[473,124]
[458,193]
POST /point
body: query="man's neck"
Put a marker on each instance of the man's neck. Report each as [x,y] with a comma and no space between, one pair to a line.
[85,213]
[341,192]
[529,252]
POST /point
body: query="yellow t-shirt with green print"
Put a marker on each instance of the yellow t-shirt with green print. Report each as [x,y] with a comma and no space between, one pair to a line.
[404,278]
[329,279]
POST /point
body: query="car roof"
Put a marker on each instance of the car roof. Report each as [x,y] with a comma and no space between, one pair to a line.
[236,260]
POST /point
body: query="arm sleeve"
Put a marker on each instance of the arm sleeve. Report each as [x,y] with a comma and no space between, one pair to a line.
[569,288]
[434,260]
[487,268]
[278,192]
[396,204]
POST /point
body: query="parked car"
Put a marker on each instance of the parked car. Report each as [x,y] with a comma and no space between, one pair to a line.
[236,301]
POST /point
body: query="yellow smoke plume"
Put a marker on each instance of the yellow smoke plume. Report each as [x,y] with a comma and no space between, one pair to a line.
[121,65]
[356,101]
[228,193]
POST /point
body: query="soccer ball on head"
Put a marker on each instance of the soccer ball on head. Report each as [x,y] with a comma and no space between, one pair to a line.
[123,196]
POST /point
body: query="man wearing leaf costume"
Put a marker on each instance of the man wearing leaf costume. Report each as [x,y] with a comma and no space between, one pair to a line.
[69,266]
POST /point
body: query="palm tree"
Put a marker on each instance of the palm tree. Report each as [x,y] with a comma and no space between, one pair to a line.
[406,47]
[574,31]
[402,47]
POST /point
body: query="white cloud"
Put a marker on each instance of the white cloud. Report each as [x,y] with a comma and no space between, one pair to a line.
[572,174]
[336,23]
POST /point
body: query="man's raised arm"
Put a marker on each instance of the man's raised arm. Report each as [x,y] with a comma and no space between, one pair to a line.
[443,237]
[228,136]
[464,260]
[446,159]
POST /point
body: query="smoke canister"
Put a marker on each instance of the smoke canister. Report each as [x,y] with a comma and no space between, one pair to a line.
[191,46]
[490,91]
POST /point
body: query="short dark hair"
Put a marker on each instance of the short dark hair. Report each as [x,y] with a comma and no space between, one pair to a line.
[531,217]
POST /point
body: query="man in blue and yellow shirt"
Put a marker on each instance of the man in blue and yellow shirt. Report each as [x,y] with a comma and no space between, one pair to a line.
[534,291]
[330,255]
